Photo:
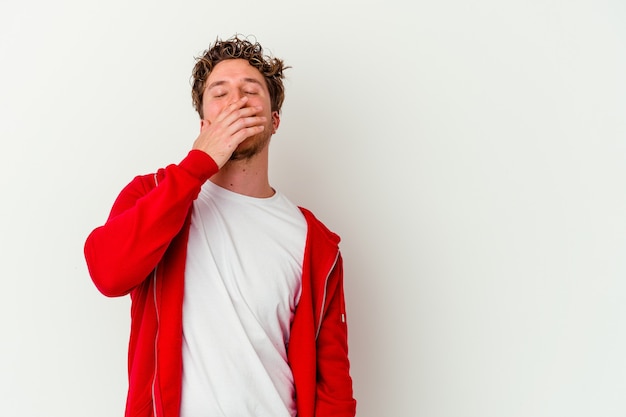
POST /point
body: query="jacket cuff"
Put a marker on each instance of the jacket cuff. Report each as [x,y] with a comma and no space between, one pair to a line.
[199,164]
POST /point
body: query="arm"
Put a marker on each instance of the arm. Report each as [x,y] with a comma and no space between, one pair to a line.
[143,221]
[334,385]
[146,216]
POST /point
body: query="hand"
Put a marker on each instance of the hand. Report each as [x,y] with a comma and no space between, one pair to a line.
[234,124]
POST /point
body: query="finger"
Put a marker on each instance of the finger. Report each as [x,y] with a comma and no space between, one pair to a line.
[245,133]
[238,114]
[245,123]
[231,108]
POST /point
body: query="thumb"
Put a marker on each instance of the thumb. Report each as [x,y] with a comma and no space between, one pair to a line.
[204,124]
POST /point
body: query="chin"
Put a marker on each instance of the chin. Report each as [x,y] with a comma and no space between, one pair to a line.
[250,147]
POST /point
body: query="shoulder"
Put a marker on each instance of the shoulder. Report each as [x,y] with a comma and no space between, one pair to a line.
[317,229]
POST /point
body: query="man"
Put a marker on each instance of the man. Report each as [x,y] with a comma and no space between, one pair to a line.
[237,294]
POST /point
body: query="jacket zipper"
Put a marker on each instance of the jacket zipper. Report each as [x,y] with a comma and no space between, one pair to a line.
[156,339]
[319,322]
[158,322]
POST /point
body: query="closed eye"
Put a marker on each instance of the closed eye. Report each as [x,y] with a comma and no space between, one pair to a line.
[218,93]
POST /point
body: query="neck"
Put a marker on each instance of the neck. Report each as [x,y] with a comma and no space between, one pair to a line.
[247,176]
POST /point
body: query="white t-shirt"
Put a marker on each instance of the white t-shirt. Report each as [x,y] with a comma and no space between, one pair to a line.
[242,283]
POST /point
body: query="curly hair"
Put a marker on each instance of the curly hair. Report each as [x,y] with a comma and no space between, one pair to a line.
[239,48]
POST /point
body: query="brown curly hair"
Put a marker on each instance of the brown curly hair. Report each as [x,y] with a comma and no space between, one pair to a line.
[238,48]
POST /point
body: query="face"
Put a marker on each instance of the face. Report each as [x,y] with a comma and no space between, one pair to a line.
[229,81]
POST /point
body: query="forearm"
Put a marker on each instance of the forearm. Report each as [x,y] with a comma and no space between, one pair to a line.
[145,218]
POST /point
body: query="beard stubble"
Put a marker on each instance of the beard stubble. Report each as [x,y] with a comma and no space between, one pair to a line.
[252,145]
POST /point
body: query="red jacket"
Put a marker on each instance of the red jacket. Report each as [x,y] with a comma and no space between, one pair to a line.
[141,250]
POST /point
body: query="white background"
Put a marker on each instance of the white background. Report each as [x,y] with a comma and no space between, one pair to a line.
[472,155]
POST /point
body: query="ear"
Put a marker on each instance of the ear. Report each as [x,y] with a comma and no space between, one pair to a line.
[275,121]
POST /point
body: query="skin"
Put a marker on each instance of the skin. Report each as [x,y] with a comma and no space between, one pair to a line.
[237,126]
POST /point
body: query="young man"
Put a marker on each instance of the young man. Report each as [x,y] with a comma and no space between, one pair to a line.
[237,294]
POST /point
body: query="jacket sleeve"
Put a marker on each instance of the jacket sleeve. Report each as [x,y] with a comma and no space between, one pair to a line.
[145,217]
[334,396]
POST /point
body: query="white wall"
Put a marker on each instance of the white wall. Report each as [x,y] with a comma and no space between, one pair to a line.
[471,154]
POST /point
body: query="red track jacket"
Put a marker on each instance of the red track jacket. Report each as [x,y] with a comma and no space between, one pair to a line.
[141,250]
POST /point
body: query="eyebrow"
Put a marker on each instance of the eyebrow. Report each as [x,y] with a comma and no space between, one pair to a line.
[222,82]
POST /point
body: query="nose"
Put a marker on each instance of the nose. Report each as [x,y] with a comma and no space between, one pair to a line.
[237,94]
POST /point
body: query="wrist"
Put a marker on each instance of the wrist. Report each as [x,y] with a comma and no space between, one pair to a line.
[199,164]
